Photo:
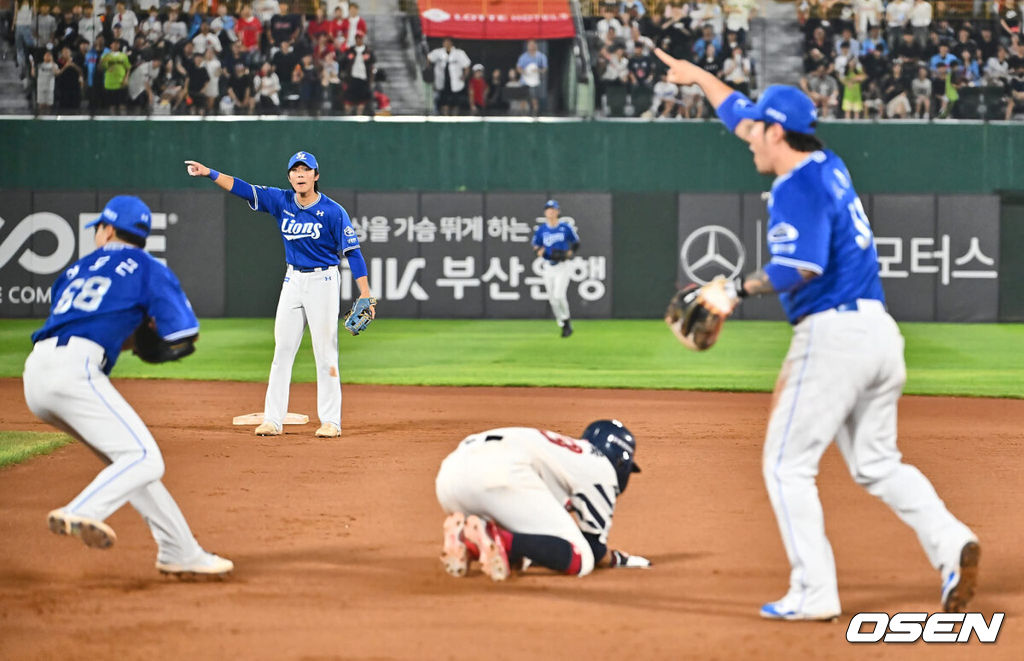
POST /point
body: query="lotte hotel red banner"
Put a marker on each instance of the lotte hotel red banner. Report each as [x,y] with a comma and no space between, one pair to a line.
[497,19]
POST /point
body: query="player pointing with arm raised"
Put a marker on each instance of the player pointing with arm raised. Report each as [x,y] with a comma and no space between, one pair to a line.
[844,371]
[315,230]
[97,303]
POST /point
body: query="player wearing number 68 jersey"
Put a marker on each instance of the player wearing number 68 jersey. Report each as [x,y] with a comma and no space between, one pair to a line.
[518,494]
[844,372]
[97,303]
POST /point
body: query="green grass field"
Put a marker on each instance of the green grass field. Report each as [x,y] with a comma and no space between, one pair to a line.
[942,359]
[17,446]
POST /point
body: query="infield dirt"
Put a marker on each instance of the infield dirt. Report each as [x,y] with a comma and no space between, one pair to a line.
[335,541]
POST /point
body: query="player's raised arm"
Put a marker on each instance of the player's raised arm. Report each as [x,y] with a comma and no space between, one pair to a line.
[721,96]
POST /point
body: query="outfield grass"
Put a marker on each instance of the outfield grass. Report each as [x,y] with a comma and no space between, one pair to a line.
[17,446]
[942,359]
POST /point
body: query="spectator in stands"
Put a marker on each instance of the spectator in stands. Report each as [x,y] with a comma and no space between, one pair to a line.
[234,56]
[609,24]
[823,90]
[846,35]
[676,35]
[921,87]
[206,40]
[897,21]
[382,103]
[666,98]
[67,28]
[354,24]
[224,26]
[907,50]
[868,14]
[89,26]
[1009,19]
[212,89]
[737,70]
[94,74]
[819,40]
[969,68]
[532,66]
[170,87]
[307,80]
[814,59]
[284,26]
[196,80]
[707,36]
[248,28]
[707,12]
[873,39]
[116,66]
[942,57]
[737,17]
[319,25]
[334,29]
[894,93]
[710,61]
[920,20]
[478,91]
[45,74]
[128,21]
[613,67]
[874,63]
[496,103]
[175,30]
[987,44]
[46,27]
[1015,91]
[358,65]
[693,103]
[69,82]
[24,24]
[336,6]
[451,65]
[323,46]
[265,10]
[843,57]
[285,62]
[330,78]
[267,87]
[853,99]
[940,89]
[638,5]
[997,69]
[641,67]
[140,83]
[151,28]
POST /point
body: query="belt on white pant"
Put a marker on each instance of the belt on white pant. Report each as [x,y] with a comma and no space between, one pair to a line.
[313,269]
[856,305]
[75,342]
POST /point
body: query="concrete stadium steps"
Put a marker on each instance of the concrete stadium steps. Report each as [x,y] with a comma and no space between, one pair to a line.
[778,53]
[12,89]
[396,55]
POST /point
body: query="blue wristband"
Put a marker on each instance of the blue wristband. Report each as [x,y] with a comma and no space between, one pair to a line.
[213,175]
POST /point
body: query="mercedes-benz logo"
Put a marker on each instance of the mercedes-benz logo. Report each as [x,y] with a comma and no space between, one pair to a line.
[720,253]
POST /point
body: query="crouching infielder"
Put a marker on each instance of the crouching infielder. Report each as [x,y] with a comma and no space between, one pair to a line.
[520,496]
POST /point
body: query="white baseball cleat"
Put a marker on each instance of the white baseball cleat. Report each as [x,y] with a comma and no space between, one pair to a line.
[328,430]
[268,429]
[204,564]
[93,533]
[493,556]
[959,578]
[455,556]
[777,611]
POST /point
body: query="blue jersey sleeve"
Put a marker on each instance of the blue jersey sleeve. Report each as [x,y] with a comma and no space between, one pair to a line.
[537,241]
[267,199]
[168,305]
[727,110]
[349,238]
[571,234]
[799,229]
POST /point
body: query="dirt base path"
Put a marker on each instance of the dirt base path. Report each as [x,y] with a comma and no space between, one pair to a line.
[336,541]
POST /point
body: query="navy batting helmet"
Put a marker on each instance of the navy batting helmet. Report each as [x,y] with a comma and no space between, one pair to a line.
[617,443]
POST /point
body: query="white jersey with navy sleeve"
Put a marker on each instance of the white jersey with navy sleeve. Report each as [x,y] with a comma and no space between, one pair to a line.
[313,235]
[818,224]
[105,295]
[533,481]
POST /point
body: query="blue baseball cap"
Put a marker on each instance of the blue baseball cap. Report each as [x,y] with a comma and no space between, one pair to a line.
[128,214]
[303,157]
[785,105]
[551,204]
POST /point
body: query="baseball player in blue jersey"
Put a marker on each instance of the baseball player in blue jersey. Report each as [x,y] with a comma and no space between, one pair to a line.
[96,305]
[315,229]
[844,371]
[556,241]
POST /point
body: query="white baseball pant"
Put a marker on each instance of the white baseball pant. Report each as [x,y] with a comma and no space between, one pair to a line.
[66,387]
[491,480]
[556,281]
[313,298]
[842,379]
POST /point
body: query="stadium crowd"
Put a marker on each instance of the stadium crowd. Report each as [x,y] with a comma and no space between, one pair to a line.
[197,58]
[913,58]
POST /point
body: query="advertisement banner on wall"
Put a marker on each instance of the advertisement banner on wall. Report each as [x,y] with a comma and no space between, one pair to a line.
[468,255]
[938,254]
[42,233]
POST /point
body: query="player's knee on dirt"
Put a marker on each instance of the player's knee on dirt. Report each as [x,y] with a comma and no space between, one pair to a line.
[551,552]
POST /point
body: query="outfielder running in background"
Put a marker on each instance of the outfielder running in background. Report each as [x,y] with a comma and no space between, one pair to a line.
[96,305]
[844,372]
[521,493]
[556,241]
[315,230]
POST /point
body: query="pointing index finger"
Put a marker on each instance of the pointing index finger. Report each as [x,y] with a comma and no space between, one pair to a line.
[665,57]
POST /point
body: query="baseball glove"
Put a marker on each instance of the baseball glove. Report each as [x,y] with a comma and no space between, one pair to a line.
[360,316]
[150,347]
[558,255]
[697,314]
